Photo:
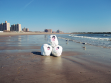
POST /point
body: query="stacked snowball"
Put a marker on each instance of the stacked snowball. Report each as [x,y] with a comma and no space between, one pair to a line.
[51,47]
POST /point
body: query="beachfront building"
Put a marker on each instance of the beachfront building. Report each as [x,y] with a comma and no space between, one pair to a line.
[58,31]
[48,30]
[25,29]
[5,26]
[15,27]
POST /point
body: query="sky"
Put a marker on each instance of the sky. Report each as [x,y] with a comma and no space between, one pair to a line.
[65,15]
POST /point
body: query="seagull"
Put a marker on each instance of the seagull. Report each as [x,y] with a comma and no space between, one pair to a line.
[67,41]
[84,45]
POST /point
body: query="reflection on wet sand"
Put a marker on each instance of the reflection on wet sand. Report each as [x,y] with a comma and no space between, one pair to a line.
[49,60]
[19,41]
[45,37]
[84,48]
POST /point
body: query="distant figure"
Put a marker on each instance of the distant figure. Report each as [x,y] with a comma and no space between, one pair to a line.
[45,37]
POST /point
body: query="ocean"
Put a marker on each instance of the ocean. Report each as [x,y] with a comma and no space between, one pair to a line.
[100,40]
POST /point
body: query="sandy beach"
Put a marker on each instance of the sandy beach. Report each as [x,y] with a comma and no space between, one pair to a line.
[26,33]
[21,62]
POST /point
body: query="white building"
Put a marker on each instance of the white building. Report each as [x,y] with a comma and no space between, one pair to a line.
[15,27]
[5,26]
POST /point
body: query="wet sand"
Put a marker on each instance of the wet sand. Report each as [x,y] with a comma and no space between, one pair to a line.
[24,64]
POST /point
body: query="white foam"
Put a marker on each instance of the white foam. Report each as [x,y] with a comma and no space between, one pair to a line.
[92,38]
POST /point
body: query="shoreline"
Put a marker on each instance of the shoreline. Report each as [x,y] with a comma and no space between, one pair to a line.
[26,33]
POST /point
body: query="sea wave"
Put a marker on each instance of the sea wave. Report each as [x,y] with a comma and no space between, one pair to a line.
[95,38]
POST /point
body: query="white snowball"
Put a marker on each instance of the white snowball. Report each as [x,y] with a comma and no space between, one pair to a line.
[46,50]
[52,40]
[57,50]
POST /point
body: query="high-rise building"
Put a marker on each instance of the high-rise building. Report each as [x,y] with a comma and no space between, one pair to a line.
[15,27]
[5,26]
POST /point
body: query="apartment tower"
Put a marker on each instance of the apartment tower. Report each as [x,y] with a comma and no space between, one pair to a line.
[15,27]
[5,26]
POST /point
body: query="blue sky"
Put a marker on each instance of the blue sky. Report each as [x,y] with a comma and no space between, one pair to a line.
[65,15]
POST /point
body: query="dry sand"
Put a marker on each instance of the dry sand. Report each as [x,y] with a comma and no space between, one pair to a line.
[71,67]
[26,33]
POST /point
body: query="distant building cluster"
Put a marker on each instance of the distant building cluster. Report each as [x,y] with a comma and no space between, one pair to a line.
[58,31]
[6,27]
[50,31]
[17,27]
[25,29]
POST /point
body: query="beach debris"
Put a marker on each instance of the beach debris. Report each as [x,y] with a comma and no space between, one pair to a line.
[52,40]
[84,43]
[67,39]
[109,39]
[46,50]
[1,66]
[57,50]
[80,72]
